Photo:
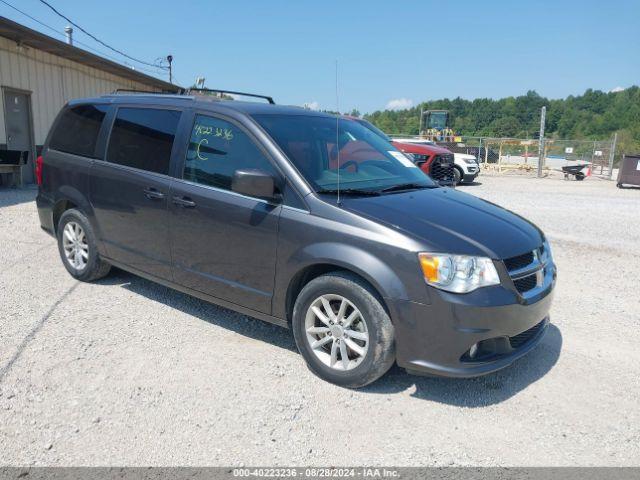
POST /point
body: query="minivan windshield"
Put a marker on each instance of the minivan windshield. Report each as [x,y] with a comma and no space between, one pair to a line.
[373,128]
[354,157]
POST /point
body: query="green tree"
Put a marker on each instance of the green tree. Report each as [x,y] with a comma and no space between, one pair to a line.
[594,115]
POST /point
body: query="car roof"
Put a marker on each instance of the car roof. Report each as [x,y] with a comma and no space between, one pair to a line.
[203,102]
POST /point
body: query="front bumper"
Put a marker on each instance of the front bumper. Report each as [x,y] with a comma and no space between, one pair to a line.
[436,338]
[470,174]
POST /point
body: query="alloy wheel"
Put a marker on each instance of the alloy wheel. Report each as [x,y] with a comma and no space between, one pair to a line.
[76,248]
[336,332]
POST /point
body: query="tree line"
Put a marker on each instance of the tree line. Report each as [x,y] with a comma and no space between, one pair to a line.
[594,115]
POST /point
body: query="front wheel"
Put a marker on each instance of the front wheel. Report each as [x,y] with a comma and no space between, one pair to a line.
[457,176]
[343,331]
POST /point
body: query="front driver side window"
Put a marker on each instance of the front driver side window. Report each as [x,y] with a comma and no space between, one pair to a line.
[217,149]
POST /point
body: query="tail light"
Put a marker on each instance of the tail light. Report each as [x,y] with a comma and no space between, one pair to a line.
[39,170]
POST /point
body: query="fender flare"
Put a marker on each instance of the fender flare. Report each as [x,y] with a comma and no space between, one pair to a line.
[361,262]
[67,193]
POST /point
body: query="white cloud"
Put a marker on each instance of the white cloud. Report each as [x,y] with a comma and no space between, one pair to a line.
[616,90]
[312,105]
[399,104]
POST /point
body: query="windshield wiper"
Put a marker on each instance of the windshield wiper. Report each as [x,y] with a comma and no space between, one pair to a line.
[406,186]
[349,191]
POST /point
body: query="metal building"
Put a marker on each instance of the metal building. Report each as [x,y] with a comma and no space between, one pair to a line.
[39,74]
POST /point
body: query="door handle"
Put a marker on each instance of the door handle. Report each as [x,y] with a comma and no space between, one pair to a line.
[185,202]
[153,194]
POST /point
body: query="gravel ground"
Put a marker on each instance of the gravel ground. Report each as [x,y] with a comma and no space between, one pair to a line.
[125,372]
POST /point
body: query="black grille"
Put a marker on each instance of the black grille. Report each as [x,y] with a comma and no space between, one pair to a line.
[514,263]
[442,167]
[518,340]
[526,283]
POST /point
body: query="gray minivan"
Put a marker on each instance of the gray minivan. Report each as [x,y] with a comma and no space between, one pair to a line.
[299,218]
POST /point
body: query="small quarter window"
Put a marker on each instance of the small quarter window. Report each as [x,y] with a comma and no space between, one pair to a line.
[143,138]
[217,149]
[78,129]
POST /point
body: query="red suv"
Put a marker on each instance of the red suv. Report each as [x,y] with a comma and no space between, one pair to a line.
[435,161]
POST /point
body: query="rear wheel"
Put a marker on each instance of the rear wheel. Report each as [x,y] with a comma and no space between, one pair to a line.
[78,249]
[342,330]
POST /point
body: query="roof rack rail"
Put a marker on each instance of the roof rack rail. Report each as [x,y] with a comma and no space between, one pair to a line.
[189,91]
[179,91]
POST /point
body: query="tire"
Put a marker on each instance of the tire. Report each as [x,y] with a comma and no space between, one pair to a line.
[619,185]
[579,176]
[83,248]
[457,176]
[371,320]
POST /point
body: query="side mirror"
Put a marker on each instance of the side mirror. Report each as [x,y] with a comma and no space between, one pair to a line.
[254,183]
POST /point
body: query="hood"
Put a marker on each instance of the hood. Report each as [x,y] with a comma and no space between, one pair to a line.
[464,156]
[420,148]
[449,221]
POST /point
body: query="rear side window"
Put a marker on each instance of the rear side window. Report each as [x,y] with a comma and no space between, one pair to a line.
[143,138]
[78,128]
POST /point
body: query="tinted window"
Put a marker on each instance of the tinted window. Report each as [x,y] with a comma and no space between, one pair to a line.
[78,128]
[143,138]
[217,149]
[329,153]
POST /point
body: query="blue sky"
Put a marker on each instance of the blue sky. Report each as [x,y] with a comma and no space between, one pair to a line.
[386,51]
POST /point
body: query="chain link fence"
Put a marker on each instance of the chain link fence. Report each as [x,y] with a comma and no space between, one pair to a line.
[518,154]
[599,154]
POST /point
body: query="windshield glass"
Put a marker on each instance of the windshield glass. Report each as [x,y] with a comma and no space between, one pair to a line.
[365,161]
[437,120]
[373,128]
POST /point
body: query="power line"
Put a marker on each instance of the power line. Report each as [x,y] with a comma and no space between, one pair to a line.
[32,18]
[88,47]
[100,41]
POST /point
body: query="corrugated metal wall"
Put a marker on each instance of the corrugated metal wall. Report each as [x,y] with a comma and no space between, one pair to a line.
[52,81]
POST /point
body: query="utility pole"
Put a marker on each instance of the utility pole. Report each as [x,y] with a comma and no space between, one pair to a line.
[543,114]
[612,154]
[170,59]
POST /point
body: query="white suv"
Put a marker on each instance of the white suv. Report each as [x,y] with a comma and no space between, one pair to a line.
[466,167]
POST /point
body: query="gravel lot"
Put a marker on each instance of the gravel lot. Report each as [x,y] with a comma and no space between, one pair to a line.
[125,372]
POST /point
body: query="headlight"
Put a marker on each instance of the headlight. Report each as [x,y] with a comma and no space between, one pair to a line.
[458,273]
[470,161]
[417,157]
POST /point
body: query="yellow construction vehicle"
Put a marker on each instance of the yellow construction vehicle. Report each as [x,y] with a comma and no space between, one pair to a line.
[434,126]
